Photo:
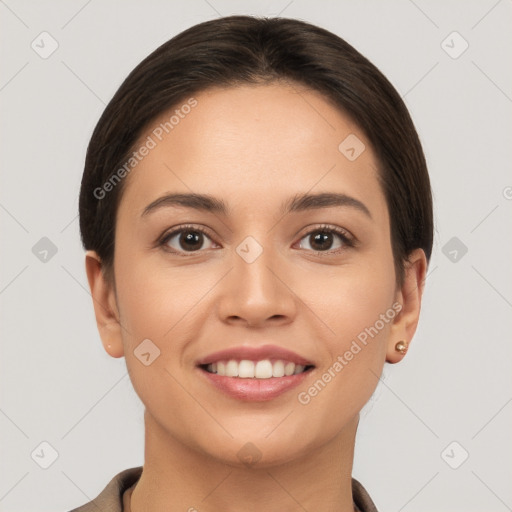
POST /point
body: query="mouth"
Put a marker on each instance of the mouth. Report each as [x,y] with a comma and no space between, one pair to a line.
[255,373]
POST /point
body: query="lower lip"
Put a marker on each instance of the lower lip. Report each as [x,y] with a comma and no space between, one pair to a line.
[255,390]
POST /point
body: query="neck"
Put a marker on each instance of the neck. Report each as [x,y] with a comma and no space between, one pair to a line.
[177,478]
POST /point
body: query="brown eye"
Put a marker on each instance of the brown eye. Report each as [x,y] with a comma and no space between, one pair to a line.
[186,240]
[326,239]
[321,241]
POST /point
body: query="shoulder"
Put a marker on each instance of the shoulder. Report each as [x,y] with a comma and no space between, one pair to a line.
[111,498]
[361,498]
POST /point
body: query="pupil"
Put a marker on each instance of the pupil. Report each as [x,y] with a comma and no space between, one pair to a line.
[321,237]
[191,238]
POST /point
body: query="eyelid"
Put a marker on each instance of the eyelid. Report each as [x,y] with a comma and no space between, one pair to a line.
[330,228]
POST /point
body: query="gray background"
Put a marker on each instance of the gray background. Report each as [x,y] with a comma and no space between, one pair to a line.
[59,386]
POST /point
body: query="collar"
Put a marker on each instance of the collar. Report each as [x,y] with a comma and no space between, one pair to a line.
[111,498]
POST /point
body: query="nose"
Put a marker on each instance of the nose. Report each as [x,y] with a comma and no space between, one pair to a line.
[256,292]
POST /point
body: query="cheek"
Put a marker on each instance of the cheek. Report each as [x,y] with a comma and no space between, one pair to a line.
[166,304]
[356,305]
[153,295]
[351,298]
[356,351]
[158,306]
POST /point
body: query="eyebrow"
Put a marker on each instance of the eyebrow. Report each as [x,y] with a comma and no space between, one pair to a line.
[298,203]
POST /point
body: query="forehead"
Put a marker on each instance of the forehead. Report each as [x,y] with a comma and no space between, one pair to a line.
[254,142]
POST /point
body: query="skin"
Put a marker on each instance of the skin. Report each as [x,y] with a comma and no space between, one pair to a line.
[253,147]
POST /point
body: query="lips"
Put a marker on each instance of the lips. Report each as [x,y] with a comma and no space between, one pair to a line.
[254,373]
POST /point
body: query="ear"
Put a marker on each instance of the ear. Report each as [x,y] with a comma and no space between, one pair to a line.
[409,296]
[105,306]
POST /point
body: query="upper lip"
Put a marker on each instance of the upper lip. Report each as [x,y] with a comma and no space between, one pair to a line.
[255,354]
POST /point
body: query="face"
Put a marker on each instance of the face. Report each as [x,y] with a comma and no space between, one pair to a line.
[286,265]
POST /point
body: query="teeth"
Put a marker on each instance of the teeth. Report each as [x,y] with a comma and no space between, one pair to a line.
[245,369]
[278,369]
[232,369]
[289,368]
[298,369]
[263,369]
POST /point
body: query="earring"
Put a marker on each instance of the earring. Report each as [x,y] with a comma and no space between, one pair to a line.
[401,347]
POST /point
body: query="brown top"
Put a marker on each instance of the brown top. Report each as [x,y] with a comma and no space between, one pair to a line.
[116,495]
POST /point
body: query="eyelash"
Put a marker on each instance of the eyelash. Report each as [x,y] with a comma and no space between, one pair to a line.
[347,240]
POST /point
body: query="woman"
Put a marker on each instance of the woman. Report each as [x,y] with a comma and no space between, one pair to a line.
[257,215]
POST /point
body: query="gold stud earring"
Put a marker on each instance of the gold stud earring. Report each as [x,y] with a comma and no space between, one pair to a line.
[401,347]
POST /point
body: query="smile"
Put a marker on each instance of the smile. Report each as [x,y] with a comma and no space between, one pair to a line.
[254,373]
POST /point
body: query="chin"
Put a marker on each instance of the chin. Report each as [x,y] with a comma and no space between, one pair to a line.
[252,449]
